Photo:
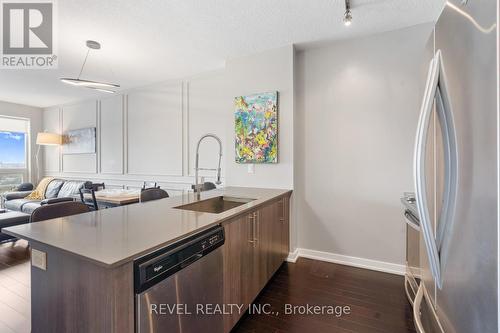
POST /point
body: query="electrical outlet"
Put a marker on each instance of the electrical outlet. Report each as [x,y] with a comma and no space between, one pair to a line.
[251,168]
[39,259]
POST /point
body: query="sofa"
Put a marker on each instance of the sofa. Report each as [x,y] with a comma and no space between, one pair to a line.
[58,190]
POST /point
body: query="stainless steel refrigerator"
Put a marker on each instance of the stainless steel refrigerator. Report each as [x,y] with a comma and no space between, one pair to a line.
[456,174]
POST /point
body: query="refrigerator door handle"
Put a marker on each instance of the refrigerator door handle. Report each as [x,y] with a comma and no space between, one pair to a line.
[407,291]
[419,169]
[445,115]
[417,303]
[411,221]
[436,242]
[423,296]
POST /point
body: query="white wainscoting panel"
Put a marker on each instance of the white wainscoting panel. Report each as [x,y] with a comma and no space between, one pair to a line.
[81,115]
[174,186]
[113,186]
[209,111]
[172,189]
[51,123]
[77,116]
[80,163]
[111,135]
[154,130]
[148,135]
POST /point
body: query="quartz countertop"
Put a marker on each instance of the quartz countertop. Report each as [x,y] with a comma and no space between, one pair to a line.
[114,236]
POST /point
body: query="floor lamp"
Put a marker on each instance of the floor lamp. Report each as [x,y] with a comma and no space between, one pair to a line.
[45,139]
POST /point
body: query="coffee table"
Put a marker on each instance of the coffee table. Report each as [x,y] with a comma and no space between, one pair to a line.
[11,218]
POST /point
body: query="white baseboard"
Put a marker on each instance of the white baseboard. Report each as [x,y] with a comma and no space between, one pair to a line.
[374,265]
[293,256]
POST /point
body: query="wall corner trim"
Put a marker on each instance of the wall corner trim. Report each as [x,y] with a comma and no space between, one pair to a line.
[374,265]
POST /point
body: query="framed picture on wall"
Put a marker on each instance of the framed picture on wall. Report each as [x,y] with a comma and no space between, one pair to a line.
[79,141]
[256,128]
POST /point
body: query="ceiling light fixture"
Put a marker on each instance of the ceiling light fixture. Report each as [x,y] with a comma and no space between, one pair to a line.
[347,15]
[99,86]
[109,91]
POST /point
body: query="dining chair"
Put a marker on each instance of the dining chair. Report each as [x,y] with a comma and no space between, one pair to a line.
[90,202]
[153,194]
[148,185]
[98,186]
[47,212]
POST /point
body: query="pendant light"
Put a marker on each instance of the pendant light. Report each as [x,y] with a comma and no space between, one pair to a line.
[347,15]
[96,85]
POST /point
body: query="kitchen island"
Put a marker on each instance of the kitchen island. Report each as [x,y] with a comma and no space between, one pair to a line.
[82,273]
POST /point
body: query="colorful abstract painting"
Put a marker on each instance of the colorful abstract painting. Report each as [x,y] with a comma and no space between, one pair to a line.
[256,124]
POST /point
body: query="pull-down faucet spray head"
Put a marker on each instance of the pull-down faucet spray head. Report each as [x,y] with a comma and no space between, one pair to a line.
[198,187]
[218,182]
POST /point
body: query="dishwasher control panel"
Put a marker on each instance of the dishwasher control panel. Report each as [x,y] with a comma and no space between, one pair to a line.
[211,241]
[159,265]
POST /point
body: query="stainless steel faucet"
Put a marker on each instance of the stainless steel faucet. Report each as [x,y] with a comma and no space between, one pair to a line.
[199,187]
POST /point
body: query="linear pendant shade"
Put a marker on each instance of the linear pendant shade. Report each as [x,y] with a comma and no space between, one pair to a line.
[95,85]
[48,139]
[89,84]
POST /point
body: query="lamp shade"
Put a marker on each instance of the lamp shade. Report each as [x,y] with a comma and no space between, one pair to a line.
[48,139]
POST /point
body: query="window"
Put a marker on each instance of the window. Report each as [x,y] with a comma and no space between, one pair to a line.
[14,152]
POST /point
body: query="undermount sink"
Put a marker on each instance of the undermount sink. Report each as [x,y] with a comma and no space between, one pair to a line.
[215,205]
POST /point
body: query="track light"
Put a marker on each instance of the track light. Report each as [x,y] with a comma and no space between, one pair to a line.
[347,15]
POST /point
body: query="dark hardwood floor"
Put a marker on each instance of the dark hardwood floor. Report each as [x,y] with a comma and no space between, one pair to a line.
[377,301]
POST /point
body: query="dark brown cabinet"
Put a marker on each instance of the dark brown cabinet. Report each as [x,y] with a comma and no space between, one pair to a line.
[271,234]
[241,257]
[284,217]
[254,250]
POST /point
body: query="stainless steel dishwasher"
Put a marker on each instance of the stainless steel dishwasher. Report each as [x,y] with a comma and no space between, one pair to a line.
[177,287]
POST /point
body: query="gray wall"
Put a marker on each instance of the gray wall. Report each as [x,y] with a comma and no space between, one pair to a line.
[357,109]
[268,71]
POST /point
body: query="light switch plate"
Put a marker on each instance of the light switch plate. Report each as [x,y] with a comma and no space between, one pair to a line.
[251,168]
[39,259]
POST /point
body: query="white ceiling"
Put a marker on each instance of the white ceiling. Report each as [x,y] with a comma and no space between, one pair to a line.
[147,41]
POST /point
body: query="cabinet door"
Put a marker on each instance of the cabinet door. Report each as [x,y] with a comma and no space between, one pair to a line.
[240,280]
[264,243]
[251,269]
[284,218]
[272,238]
[275,230]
